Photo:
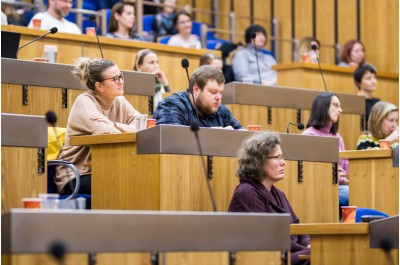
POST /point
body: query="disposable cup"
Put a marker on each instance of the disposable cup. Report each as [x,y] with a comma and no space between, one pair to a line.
[384,144]
[349,214]
[151,123]
[248,80]
[253,127]
[49,200]
[31,203]
[90,31]
[37,23]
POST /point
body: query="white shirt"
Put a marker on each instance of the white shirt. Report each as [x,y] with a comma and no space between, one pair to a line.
[48,21]
[193,42]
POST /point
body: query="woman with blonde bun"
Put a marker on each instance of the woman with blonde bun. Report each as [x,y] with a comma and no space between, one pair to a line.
[102,109]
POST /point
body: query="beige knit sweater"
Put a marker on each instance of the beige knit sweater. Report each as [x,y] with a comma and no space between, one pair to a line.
[118,110]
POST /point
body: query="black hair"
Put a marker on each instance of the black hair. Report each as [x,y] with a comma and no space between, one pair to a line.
[255,29]
[360,72]
[319,116]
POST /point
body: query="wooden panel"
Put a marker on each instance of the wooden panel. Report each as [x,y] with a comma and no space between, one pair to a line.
[347,20]
[380,33]
[283,16]
[19,177]
[224,181]
[198,258]
[324,29]
[261,11]
[242,21]
[25,259]
[304,18]
[204,17]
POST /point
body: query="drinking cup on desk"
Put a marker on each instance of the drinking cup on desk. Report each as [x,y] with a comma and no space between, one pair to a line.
[42,60]
[90,31]
[349,214]
[50,53]
[31,203]
[151,123]
[49,200]
[384,144]
[37,23]
[248,80]
[141,121]
[255,128]
[305,57]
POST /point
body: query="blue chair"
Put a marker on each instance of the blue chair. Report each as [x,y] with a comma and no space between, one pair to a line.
[147,22]
[368,211]
[215,43]
[164,39]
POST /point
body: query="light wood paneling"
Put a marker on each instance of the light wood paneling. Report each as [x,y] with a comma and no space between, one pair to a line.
[27,259]
[283,15]
[325,25]
[303,18]
[19,176]
[347,20]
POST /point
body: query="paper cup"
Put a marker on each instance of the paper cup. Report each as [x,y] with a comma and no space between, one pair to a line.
[305,57]
[31,203]
[91,31]
[151,123]
[42,60]
[384,144]
[256,128]
[49,200]
[248,80]
[37,23]
[349,214]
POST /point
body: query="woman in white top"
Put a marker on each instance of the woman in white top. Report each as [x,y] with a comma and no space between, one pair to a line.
[183,24]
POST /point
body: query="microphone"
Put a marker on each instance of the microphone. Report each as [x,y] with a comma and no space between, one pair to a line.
[185,65]
[253,38]
[300,126]
[58,251]
[314,47]
[51,119]
[93,19]
[194,127]
[51,31]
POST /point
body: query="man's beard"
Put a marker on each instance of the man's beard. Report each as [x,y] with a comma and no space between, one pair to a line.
[203,110]
[61,13]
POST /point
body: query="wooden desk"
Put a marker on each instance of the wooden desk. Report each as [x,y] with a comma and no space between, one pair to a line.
[248,103]
[374,182]
[159,169]
[338,79]
[23,159]
[122,52]
[342,244]
[46,86]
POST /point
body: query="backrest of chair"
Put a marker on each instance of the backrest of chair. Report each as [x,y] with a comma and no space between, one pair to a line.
[367,211]
[164,39]
[147,22]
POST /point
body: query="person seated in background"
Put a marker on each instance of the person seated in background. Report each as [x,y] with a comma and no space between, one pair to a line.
[365,80]
[245,60]
[383,124]
[162,24]
[210,58]
[147,61]
[122,21]
[324,121]
[184,38]
[353,54]
[261,164]
[207,84]
[55,15]
[102,109]
[306,53]
[228,51]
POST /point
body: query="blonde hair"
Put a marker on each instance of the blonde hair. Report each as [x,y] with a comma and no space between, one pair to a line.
[207,58]
[378,113]
[89,71]
[140,57]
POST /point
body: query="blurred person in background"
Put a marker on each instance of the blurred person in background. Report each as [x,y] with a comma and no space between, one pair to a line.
[210,58]
[162,24]
[184,38]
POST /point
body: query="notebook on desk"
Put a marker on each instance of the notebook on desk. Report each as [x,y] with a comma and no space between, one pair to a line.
[9,44]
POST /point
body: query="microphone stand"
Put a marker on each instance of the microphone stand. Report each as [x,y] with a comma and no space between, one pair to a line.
[93,19]
[254,35]
[314,48]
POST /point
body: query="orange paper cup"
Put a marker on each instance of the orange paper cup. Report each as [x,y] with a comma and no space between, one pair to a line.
[256,128]
[37,23]
[31,203]
[349,214]
[91,31]
[151,123]
[384,144]
[305,57]
[42,60]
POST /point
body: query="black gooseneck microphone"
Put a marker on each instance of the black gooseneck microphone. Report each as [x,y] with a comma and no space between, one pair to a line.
[58,251]
[93,19]
[253,38]
[185,65]
[299,126]
[51,119]
[314,47]
[194,127]
[51,31]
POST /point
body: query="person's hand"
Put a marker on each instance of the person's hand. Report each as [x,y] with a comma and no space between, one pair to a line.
[97,116]
[394,136]
[309,246]
[160,77]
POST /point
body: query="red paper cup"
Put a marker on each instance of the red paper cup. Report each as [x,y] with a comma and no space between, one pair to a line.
[42,60]
[349,214]
[151,123]
[384,144]
[305,57]
[37,23]
[256,128]
[31,203]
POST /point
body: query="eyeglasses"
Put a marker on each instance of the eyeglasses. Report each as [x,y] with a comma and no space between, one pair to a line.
[280,157]
[117,79]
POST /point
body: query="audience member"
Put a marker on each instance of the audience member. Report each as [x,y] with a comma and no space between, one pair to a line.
[162,24]
[55,15]
[122,22]
[207,84]
[365,80]
[228,51]
[383,124]
[102,109]
[261,164]
[183,25]
[324,121]
[147,62]
[210,58]
[306,53]
[353,54]
[245,60]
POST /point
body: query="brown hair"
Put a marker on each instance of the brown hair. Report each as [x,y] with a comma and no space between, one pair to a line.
[346,52]
[208,57]
[90,71]
[118,8]
[205,73]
